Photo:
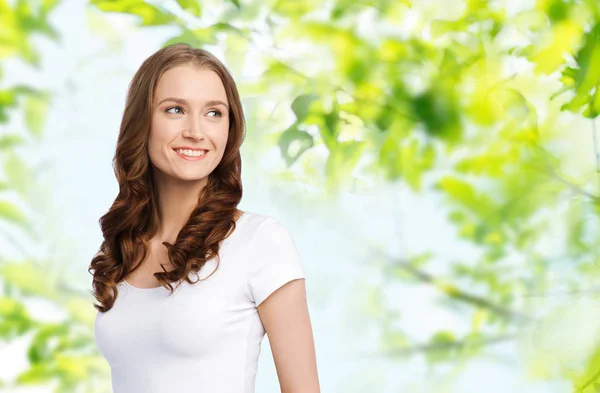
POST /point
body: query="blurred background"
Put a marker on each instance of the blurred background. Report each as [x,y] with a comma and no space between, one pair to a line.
[436,161]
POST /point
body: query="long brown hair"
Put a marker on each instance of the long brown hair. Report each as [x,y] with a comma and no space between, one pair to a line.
[133,217]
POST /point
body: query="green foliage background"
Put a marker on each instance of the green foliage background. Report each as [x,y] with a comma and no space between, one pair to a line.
[486,107]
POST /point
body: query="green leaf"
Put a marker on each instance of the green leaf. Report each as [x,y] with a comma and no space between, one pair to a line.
[149,14]
[437,110]
[36,374]
[237,3]
[191,6]
[9,141]
[301,105]
[421,259]
[443,337]
[587,74]
[40,349]
[71,367]
[9,306]
[12,213]
[543,159]
[30,278]
[294,9]
[8,98]
[48,5]
[36,108]
[341,162]
[565,37]
[389,159]
[492,162]
[14,318]
[464,193]
[18,174]
[531,21]
[558,10]
[293,143]
[277,71]
[592,365]
[330,131]
[442,350]
[196,38]
[412,162]
[407,158]
[439,27]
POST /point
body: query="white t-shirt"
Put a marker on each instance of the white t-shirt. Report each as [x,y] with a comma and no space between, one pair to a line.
[206,337]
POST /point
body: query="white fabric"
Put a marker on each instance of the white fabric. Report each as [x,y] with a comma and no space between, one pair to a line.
[206,337]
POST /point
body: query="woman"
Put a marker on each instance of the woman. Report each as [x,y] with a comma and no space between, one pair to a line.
[188,285]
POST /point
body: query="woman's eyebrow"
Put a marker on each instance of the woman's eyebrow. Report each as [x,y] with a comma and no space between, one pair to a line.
[185,102]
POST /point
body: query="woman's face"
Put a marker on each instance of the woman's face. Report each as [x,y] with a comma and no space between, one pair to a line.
[190,113]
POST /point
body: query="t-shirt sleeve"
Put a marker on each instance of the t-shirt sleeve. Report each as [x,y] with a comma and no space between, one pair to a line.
[273,260]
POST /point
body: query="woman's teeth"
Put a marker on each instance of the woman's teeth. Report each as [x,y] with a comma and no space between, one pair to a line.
[191,153]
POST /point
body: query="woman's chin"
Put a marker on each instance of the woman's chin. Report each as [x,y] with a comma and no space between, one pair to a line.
[189,178]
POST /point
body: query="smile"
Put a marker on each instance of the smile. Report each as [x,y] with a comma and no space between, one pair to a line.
[191,155]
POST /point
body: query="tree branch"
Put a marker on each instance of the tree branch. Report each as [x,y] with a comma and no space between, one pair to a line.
[574,187]
[588,382]
[459,294]
[442,346]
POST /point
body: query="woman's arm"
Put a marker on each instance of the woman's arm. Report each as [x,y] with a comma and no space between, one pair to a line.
[285,316]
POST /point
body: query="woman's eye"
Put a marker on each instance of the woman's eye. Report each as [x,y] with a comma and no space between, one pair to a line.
[173,107]
[217,113]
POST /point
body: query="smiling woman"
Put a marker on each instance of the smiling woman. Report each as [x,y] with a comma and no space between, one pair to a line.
[178,166]
[198,122]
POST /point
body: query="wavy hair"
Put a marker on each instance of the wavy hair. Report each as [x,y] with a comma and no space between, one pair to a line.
[133,217]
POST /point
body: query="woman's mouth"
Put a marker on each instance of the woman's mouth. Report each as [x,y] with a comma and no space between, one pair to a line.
[191,155]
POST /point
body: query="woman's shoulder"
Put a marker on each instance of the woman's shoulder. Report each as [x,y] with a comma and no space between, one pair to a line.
[259,222]
[262,228]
